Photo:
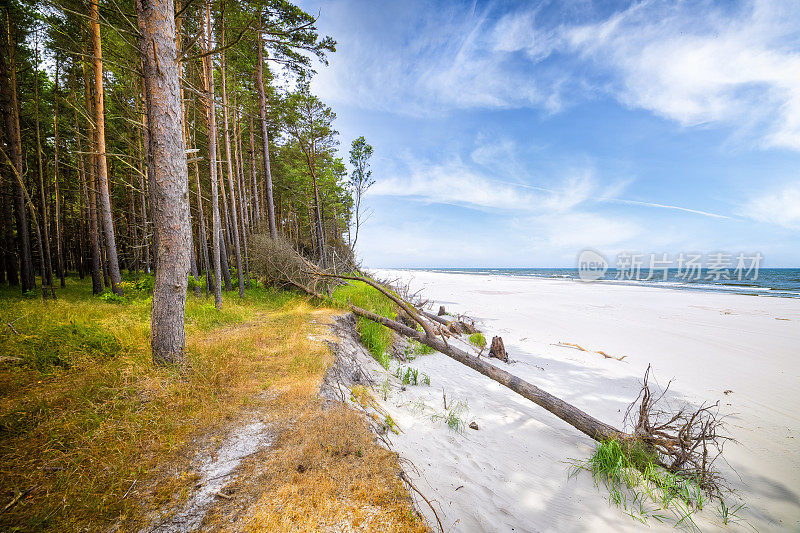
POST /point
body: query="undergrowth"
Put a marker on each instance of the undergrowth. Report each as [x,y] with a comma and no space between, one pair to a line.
[86,419]
[377,338]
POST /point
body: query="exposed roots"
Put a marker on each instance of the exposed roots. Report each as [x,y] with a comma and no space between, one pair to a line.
[686,441]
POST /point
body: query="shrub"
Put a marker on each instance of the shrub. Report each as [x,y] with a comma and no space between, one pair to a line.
[478,340]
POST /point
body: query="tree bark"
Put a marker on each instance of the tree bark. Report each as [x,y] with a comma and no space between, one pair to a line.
[91,193]
[10,260]
[169,181]
[583,422]
[44,247]
[102,163]
[262,113]
[216,229]
[253,178]
[56,175]
[228,157]
[14,139]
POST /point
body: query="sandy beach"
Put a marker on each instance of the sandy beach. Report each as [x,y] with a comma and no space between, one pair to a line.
[512,473]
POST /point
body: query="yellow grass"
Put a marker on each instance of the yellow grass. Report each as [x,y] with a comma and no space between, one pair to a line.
[76,437]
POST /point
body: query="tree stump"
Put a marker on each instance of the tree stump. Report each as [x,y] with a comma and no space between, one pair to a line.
[442,312]
[497,349]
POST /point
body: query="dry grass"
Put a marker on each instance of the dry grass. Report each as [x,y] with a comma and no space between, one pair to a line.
[327,474]
[103,437]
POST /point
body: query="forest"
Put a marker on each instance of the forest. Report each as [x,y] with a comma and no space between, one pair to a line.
[129,141]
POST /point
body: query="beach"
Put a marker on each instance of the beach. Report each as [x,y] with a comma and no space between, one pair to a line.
[512,473]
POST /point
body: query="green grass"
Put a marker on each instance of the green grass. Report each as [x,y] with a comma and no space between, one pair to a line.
[377,338]
[643,489]
[453,416]
[478,340]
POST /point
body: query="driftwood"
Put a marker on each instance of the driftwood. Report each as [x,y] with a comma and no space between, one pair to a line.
[583,422]
[498,350]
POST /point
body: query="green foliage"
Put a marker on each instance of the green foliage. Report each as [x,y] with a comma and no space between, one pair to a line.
[642,488]
[478,340]
[200,281]
[144,284]
[377,338]
[411,376]
[55,344]
[421,349]
[108,296]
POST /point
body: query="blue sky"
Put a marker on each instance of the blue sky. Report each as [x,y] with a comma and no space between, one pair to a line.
[517,134]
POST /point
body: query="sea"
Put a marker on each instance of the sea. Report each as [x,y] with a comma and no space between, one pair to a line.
[773,282]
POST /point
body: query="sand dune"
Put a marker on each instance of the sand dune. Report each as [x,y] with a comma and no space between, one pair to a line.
[511,474]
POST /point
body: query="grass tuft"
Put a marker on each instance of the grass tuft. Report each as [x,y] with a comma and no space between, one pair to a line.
[643,489]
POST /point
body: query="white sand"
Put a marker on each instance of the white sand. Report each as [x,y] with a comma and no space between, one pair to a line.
[511,475]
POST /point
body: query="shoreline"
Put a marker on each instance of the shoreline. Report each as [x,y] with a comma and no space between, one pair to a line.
[744,289]
[708,342]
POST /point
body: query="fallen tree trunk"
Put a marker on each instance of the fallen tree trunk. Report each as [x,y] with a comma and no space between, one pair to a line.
[570,414]
[685,441]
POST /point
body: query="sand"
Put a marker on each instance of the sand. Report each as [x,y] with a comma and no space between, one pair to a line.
[512,473]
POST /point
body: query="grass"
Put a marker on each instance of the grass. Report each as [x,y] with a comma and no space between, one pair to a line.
[377,338]
[643,489]
[478,340]
[453,416]
[345,478]
[93,434]
[411,376]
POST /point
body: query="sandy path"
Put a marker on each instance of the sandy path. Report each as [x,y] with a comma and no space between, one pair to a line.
[510,474]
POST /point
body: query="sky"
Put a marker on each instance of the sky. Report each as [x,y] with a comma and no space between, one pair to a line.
[516,134]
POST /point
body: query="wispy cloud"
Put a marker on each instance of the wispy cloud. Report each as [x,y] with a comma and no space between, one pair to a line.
[454,182]
[696,64]
[693,62]
[781,207]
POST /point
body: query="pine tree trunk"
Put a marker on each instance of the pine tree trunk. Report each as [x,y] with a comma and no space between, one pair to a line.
[44,255]
[262,113]
[8,86]
[91,193]
[216,229]
[168,183]
[59,248]
[253,178]
[102,164]
[226,133]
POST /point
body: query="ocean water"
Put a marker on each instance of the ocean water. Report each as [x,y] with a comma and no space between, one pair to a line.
[775,282]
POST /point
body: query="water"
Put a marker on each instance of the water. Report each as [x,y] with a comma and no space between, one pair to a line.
[778,282]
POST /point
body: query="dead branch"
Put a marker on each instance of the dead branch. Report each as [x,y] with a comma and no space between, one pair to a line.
[687,440]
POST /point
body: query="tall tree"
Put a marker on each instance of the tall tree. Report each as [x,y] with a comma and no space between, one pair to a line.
[262,114]
[168,183]
[360,179]
[229,160]
[310,123]
[216,223]
[102,160]
[13,133]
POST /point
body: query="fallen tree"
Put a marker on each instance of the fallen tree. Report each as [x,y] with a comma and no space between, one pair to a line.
[684,441]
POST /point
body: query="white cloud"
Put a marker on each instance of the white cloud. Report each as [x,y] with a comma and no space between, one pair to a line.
[690,62]
[454,182]
[738,68]
[778,207]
